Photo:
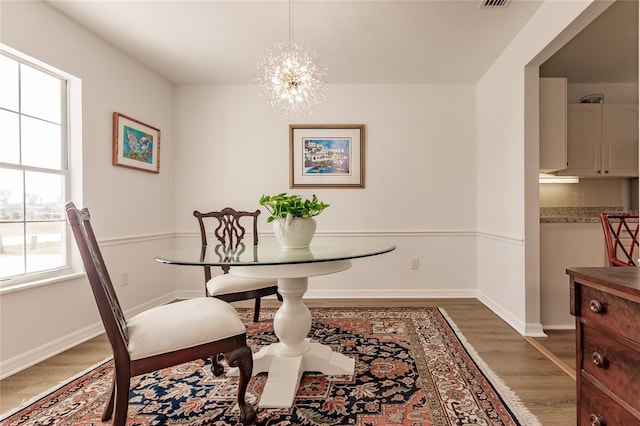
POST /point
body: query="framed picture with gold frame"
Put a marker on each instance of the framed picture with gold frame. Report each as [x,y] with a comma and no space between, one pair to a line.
[136,145]
[326,155]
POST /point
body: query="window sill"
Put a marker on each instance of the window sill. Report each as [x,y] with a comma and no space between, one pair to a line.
[11,288]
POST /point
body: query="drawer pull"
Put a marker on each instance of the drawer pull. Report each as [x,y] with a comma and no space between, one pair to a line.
[599,360]
[597,420]
[597,307]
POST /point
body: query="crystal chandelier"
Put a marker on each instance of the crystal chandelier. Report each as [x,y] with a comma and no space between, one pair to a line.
[290,77]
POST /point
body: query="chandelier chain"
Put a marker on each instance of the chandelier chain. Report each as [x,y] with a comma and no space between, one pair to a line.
[290,21]
[290,77]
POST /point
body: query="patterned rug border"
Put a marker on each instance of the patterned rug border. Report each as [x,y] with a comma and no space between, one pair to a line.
[509,398]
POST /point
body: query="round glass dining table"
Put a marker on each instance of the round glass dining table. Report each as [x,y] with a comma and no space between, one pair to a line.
[293,354]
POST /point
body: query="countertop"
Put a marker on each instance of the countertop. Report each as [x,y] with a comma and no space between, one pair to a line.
[574,214]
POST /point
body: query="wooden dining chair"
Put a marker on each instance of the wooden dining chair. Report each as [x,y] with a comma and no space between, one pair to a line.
[229,233]
[621,237]
[163,336]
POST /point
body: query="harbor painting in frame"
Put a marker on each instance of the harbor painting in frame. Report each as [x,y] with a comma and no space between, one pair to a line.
[329,156]
[136,145]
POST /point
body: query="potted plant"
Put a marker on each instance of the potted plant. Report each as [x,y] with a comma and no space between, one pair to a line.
[293,218]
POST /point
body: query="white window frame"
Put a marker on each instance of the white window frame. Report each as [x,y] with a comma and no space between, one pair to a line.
[72,154]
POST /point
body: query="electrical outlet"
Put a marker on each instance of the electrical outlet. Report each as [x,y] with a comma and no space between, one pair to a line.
[124,278]
[415,263]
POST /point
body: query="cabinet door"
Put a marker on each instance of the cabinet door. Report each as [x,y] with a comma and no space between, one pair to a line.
[584,128]
[620,139]
[553,124]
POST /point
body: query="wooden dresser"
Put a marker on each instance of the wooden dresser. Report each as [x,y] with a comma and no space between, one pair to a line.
[606,304]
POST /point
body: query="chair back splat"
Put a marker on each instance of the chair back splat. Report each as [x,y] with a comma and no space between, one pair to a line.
[621,237]
[229,231]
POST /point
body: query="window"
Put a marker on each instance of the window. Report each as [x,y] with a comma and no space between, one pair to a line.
[33,170]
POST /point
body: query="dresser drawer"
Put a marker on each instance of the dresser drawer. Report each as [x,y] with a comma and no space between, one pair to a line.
[617,314]
[597,409]
[613,363]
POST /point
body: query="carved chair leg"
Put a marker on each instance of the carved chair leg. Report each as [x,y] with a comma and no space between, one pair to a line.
[108,407]
[216,367]
[122,399]
[243,359]
[256,310]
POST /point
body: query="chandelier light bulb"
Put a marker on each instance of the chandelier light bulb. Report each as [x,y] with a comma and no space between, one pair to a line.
[291,79]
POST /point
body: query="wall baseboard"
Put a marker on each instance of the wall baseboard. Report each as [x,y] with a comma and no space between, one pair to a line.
[525,329]
[364,294]
[27,359]
[390,294]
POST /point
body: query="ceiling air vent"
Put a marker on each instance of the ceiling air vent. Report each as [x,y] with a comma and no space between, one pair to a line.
[494,4]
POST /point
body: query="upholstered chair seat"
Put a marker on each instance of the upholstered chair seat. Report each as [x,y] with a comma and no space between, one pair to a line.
[227,283]
[170,328]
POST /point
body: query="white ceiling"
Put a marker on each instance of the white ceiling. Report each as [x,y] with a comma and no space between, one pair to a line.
[605,51]
[361,41]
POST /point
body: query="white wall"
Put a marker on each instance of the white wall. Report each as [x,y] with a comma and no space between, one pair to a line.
[436,161]
[132,211]
[420,172]
[508,212]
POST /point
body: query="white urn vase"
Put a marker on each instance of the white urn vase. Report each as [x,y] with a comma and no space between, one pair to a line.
[294,232]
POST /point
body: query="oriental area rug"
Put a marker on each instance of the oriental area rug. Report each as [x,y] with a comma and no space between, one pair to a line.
[413,368]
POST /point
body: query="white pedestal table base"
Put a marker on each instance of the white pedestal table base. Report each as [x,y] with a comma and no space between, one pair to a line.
[287,360]
[285,372]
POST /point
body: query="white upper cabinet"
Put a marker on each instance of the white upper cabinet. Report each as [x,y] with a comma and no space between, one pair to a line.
[620,139]
[584,136]
[553,124]
[602,140]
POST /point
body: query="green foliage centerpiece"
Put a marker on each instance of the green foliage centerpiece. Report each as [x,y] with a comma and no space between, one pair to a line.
[293,218]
